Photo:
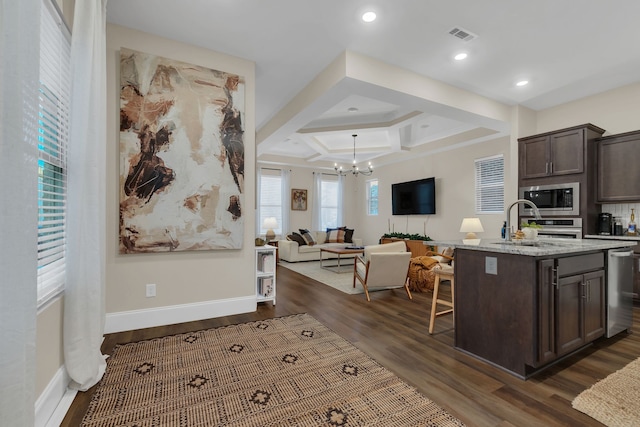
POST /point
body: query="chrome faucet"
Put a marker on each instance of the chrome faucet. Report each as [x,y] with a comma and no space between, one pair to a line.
[536,212]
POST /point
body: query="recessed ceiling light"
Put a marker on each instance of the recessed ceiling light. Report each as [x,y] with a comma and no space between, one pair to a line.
[369,16]
[460,56]
[522,83]
[352,109]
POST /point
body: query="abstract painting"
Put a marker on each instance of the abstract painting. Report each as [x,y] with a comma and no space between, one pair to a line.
[298,199]
[181,156]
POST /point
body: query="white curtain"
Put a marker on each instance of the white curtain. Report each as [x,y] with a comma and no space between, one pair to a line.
[340,214]
[19,68]
[84,288]
[286,201]
[316,220]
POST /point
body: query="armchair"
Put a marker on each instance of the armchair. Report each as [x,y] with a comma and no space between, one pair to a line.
[383,266]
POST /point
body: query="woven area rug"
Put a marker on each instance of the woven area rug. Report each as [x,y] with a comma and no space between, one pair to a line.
[614,400]
[276,372]
[340,281]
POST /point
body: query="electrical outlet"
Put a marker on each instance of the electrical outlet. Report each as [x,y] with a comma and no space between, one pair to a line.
[151,290]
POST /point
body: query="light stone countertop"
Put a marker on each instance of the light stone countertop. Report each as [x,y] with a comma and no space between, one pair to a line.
[599,236]
[543,247]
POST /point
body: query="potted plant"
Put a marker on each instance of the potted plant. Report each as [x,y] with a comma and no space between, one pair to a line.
[405,236]
[530,230]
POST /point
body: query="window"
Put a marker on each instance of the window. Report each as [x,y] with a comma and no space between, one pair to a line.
[271,201]
[490,185]
[372,197]
[53,134]
[328,199]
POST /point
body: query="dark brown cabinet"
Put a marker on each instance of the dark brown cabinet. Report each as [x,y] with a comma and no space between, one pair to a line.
[636,276]
[618,162]
[560,153]
[528,312]
[571,308]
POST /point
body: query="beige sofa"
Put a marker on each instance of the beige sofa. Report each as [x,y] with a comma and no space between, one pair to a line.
[290,251]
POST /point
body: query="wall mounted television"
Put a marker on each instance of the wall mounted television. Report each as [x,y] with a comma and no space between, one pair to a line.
[414,197]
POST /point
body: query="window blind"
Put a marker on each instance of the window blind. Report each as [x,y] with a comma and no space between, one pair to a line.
[329,202]
[490,185]
[271,198]
[53,135]
[372,197]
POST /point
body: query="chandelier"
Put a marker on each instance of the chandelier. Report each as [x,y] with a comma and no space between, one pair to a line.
[354,169]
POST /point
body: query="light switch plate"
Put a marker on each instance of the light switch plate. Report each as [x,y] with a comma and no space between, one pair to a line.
[491,265]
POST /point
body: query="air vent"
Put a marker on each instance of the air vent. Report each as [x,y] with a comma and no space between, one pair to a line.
[463,34]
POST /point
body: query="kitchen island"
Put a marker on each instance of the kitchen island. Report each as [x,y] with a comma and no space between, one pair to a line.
[523,307]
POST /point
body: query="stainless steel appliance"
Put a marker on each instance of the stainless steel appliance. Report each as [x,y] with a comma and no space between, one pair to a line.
[619,291]
[605,224]
[569,228]
[553,199]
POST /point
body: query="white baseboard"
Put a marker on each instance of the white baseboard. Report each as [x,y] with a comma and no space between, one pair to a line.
[160,316]
[55,400]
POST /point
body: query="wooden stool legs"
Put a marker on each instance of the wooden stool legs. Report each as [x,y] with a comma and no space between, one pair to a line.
[435,301]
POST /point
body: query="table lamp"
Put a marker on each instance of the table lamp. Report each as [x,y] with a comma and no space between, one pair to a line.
[270,223]
[471,226]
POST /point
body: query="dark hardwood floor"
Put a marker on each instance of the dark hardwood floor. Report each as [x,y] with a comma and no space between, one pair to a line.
[393,330]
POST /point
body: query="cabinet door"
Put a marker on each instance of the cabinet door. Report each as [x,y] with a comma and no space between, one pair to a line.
[566,152]
[546,351]
[636,277]
[594,307]
[534,157]
[569,314]
[618,171]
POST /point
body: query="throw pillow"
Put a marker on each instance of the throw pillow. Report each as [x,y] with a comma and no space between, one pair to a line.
[308,238]
[297,238]
[335,235]
[348,235]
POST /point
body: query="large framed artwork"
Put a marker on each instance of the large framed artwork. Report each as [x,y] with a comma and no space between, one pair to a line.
[181,156]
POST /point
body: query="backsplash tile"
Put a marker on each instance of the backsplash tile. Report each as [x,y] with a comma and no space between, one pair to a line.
[623,211]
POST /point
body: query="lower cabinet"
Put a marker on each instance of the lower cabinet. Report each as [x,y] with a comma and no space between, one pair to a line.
[571,304]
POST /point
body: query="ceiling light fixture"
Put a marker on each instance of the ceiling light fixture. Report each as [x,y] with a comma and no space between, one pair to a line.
[460,56]
[369,16]
[352,109]
[522,83]
[354,169]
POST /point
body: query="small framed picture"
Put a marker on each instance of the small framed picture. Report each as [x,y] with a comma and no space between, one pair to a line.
[298,199]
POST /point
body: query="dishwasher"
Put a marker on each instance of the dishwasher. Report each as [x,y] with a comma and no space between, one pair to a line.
[619,291]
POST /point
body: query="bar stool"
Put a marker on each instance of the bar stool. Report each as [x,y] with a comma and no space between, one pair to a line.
[441,273]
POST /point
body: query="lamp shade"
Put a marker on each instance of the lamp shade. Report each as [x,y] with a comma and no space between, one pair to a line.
[471,226]
[270,223]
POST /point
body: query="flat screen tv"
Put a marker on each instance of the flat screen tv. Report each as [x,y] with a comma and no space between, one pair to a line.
[414,197]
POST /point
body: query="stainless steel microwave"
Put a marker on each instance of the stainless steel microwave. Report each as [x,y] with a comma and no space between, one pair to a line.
[554,199]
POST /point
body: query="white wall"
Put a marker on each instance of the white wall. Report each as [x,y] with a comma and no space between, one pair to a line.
[187,277]
[455,191]
[616,111]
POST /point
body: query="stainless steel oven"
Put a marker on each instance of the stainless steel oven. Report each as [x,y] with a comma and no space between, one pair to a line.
[568,228]
[554,199]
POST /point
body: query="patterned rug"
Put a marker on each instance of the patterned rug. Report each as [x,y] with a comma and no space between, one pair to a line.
[614,400]
[276,372]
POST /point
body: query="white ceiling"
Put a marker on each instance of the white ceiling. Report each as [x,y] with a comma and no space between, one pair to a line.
[567,49]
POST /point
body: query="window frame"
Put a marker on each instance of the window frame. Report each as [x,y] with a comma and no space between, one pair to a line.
[489,197]
[53,135]
[370,198]
[275,175]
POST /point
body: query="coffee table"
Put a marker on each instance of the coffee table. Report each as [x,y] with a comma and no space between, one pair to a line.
[339,251]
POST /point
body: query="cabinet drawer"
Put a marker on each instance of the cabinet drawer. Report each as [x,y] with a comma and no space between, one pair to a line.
[580,264]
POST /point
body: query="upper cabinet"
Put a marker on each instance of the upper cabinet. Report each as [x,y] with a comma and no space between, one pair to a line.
[618,162]
[556,153]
